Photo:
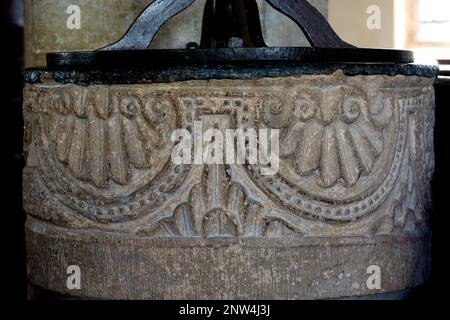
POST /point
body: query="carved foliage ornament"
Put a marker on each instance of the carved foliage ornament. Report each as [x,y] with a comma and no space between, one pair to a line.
[103,152]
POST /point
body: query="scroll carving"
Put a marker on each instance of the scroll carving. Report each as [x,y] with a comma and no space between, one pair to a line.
[356,157]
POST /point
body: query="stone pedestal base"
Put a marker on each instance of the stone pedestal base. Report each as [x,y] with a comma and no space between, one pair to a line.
[345,213]
[122,267]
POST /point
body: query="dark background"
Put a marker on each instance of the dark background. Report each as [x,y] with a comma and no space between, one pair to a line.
[12,227]
[13,217]
[440,223]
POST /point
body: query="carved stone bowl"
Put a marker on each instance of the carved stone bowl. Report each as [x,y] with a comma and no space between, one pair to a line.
[345,216]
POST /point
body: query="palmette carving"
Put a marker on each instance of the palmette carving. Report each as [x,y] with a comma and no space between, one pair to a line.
[202,216]
[334,133]
[99,146]
[335,150]
[356,157]
[102,138]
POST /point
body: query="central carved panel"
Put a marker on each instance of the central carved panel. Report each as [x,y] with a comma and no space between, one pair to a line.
[104,153]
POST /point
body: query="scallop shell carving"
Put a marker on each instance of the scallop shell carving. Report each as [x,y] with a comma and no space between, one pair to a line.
[105,139]
[332,136]
[337,145]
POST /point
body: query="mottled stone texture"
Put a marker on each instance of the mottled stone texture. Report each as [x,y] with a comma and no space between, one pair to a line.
[105,21]
[352,191]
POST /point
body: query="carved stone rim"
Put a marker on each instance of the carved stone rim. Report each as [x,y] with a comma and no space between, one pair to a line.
[246,71]
[99,236]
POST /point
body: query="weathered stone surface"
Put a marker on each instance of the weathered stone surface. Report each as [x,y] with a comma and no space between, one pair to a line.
[105,21]
[352,191]
[123,267]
